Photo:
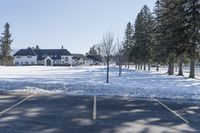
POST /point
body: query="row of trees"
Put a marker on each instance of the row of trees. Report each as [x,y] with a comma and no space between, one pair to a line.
[5,46]
[168,35]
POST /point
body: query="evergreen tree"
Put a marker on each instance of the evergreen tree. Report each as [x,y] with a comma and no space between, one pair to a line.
[178,24]
[93,51]
[192,15]
[128,41]
[143,37]
[167,34]
[168,28]
[6,42]
[158,53]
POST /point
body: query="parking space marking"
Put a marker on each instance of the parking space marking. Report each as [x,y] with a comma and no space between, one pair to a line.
[13,106]
[95,108]
[172,111]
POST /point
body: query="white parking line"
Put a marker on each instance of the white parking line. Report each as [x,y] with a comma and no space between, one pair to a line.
[95,108]
[172,111]
[6,110]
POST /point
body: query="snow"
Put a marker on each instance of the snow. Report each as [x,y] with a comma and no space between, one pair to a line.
[91,81]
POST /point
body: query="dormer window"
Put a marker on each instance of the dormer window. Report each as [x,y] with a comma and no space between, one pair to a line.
[44,56]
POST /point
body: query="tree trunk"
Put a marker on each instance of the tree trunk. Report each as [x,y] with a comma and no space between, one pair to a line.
[168,71]
[120,65]
[192,68]
[180,72]
[120,70]
[135,66]
[128,65]
[157,67]
[192,61]
[171,67]
[141,67]
[107,78]
[145,66]
[176,68]
[149,66]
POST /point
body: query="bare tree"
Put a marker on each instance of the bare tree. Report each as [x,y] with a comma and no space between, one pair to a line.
[107,48]
[119,55]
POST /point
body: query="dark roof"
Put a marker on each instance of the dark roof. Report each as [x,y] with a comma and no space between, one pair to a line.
[53,53]
[43,53]
[25,52]
[95,57]
[78,56]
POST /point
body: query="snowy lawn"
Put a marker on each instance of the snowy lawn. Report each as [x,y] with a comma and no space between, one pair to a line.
[91,81]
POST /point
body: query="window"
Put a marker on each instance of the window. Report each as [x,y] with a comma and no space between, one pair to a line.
[29,56]
[57,62]
[16,63]
[26,63]
[66,59]
[32,63]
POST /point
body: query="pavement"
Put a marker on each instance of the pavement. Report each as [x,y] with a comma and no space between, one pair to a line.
[33,113]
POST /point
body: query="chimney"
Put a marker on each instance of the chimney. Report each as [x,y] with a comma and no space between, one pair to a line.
[37,47]
[62,47]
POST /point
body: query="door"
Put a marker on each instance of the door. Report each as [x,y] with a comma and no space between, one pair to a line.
[48,62]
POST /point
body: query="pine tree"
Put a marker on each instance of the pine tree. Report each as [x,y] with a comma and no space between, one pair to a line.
[128,41]
[143,37]
[185,31]
[178,25]
[192,13]
[167,32]
[6,42]
[93,50]
[159,51]
[180,33]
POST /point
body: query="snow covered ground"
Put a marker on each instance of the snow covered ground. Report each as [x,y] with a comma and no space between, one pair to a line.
[91,81]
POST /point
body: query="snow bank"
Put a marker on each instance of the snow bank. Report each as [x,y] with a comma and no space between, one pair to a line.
[91,81]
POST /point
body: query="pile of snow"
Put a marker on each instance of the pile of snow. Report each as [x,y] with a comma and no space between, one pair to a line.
[91,81]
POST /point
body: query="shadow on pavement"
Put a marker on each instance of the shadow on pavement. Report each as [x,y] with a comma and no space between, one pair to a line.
[73,114]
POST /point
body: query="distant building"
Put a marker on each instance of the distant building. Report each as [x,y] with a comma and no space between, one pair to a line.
[80,59]
[97,59]
[46,57]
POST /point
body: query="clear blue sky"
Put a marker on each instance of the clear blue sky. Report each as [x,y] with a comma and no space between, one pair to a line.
[75,24]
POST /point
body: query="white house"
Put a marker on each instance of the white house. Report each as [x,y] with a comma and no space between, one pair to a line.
[80,59]
[47,57]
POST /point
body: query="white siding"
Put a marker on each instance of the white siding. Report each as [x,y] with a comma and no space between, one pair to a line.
[88,62]
[66,59]
[57,62]
[25,60]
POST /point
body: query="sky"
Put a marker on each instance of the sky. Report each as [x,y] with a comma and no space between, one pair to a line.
[74,24]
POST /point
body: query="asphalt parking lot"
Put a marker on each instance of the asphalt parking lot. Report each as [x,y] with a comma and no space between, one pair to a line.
[31,113]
